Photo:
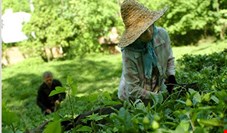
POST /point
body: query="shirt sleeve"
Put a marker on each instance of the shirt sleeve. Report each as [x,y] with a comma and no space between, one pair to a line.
[170,64]
[41,100]
[132,80]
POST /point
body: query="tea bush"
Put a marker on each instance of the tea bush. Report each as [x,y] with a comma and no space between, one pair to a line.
[199,109]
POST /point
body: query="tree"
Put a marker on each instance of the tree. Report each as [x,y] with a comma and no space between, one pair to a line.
[73,25]
[16,5]
[188,21]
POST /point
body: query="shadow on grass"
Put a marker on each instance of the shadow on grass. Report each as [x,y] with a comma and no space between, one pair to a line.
[20,89]
[201,49]
[21,83]
[91,75]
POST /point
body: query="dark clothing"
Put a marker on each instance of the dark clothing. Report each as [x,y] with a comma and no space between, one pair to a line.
[43,99]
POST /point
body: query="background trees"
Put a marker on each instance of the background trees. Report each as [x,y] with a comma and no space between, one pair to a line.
[76,25]
[189,21]
[73,25]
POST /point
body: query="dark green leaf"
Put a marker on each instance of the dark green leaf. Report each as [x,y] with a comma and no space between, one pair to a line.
[84,129]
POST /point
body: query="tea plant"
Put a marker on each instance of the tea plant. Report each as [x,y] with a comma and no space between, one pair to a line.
[200,110]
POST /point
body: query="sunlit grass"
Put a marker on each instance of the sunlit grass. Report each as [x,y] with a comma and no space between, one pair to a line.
[205,47]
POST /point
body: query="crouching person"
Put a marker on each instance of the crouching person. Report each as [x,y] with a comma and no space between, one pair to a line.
[46,103]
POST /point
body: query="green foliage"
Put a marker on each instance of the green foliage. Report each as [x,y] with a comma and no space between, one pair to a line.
[16,5]
[71,85]
[73,25]
[96,117]
[53,127]
[77,25]
[83,129]
[206,111]
[9,118]
[211,69]
[188,21]
[57,91]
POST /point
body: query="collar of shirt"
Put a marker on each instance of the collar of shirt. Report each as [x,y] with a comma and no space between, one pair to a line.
[149,56]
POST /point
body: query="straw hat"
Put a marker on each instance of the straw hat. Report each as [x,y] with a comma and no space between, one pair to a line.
[137,19]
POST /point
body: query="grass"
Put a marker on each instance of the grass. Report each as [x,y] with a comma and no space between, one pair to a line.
[205,47]
[93,74]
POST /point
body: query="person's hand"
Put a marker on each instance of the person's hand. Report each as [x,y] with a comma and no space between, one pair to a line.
[171,82]
[57,105]
[57,102]
[48,111]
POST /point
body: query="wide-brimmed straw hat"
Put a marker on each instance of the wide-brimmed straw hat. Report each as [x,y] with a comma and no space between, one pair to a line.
[137,18]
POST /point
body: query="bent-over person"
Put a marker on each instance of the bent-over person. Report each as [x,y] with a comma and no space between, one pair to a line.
[147,59]
[46,103]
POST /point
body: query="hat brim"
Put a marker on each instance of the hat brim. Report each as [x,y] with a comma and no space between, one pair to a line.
[135,30]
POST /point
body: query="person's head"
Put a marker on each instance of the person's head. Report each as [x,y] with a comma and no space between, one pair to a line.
[138,21]
[48,78]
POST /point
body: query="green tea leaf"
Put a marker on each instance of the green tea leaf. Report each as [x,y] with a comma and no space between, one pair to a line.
[69,80]
[200,130]
[185,125]
[210,122]
[215,99]
[53,127]
[9,117]
[96,117]
[74,89]
[57,90]
[191,91]
[196,98]
[84,129]
[179,129]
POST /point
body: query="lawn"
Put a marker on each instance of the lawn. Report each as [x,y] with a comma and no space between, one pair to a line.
[93,74]
[205,47]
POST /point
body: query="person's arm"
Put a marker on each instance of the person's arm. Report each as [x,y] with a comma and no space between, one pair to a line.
[131,76]
[170,67]
[40,100]
[170,63]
